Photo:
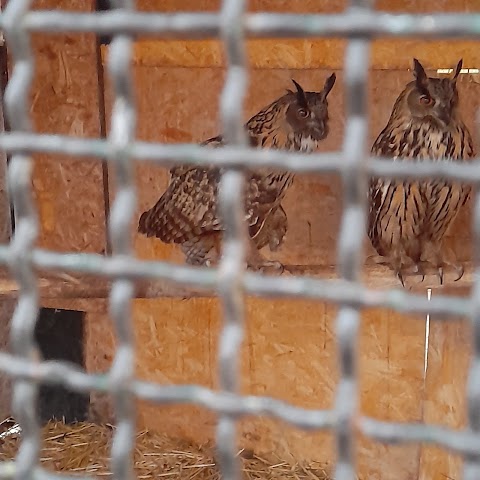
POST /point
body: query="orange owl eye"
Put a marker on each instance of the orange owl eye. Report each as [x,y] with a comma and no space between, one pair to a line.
[302,113]
[425,100]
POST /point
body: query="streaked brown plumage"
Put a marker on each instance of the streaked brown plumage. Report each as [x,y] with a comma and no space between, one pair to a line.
[187,213]
[409,219]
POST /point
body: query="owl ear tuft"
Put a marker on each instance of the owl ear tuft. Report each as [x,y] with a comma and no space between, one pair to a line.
[419,72]
[329,83]
[457,70]
[301,98]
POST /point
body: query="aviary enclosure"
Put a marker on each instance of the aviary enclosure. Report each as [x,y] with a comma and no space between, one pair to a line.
[148,327]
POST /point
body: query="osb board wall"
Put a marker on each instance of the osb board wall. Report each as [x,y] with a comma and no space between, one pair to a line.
[175,348]
[64,100]
[289,350]
[181,105]
[385,54]
[445,400]
[306,53]
[289,353]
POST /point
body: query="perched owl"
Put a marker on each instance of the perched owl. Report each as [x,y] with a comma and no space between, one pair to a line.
[188,212]
[408,219]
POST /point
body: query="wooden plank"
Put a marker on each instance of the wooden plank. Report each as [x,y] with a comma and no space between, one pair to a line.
[173,346]
[6,312]
[6,307]
[289,353]
[306,53]
[5,212]
[391,366]
[177,340]
[449,357]
[63,286]
[64,99]
[100,345]
[310,6]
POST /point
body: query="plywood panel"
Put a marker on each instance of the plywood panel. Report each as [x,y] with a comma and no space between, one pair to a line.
[64,100]
[306,53]
[289,353]
[177,342]
[310,6]
[286,353]
[100,345]
[449,358]
[391,366]
[171,110]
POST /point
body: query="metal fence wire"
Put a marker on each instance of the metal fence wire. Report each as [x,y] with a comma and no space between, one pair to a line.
[360,24]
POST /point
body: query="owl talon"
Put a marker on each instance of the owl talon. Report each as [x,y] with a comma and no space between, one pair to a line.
[462,271]
[440,275]
[400,277]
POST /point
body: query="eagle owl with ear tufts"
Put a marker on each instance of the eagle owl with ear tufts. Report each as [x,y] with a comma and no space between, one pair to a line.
[188,213]
[409,219]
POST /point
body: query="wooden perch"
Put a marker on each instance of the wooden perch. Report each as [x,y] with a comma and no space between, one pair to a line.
[58,286]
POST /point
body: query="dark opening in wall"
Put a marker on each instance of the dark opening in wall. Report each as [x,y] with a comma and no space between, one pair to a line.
[59,336]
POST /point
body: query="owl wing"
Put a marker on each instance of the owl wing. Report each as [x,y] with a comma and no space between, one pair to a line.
[272,231]
[189,207]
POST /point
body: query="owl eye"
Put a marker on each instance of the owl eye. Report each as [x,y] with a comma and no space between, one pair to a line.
[302,113]
[425,100]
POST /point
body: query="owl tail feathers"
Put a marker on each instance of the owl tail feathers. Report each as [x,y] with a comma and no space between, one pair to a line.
[150,226]
[143,226]
[162,225]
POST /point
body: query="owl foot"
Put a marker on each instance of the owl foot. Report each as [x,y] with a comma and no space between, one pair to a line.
[269,266]
[443,268]
[457,268]
[415,270]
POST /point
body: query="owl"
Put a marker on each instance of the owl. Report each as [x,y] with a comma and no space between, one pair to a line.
[188,213]
[409,219]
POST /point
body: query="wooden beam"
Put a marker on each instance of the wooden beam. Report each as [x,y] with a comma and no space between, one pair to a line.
[58,286]
[309,6]
[304,53]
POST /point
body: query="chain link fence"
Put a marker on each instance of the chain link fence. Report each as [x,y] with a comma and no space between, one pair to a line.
[360,24]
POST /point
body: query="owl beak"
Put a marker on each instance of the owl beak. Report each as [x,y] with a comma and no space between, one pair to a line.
[319,127]
[445,116]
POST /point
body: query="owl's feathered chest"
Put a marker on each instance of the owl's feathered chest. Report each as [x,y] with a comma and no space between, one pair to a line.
[278,138]
[422,140]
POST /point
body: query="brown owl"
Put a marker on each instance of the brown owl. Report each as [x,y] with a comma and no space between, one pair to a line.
[187,213]
[408,219]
